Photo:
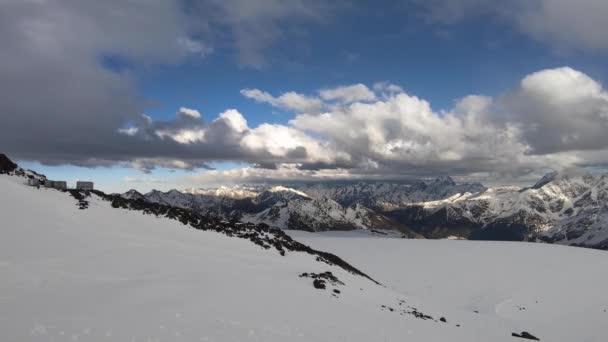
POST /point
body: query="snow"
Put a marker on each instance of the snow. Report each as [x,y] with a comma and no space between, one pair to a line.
[236,192]
[280,188]
[557,293]
[105,274]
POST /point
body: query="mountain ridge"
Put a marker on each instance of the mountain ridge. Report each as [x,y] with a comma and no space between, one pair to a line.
[564,208]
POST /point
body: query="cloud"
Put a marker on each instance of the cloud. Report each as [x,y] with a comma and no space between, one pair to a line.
[554,118]
[193,113]
[227,138]
[255,25]
[61,100]
[348,94]
[564,24]
[327,97]
[559,110]
[290,100]
[282,174]
[80,111]
[66,99]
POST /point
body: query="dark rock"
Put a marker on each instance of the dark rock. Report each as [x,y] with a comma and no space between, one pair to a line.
[318,284]
[336,291]
[443,319]
[6,165]
[526,335]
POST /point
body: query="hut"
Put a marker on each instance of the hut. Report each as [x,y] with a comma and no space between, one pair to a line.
[60,185]
[55,184]
[33,182]
[82,185]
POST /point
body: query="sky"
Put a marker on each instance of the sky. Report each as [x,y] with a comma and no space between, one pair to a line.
[184,93]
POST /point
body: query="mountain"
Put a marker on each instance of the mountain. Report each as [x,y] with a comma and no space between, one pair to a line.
[566,209]
[120,269]
[277,206]
[569,209]
[388,195]
[316,207]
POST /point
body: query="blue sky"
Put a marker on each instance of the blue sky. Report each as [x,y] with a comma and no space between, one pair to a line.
[438,51]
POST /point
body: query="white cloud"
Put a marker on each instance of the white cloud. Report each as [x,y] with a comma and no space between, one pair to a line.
[559,110]
[555,118]
[234,119]
[195,47]
[348,94]
[290,100]
[286,172]
[193,113]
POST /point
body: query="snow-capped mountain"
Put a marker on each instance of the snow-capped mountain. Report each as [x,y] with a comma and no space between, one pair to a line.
[560,208]
[316,207]
[568,209]
[277,206]
[131,270]
[385,196]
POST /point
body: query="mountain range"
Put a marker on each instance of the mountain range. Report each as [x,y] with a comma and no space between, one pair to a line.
[568,209]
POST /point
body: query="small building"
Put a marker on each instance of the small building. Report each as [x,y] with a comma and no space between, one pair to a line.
[81,185]
[60,185]
[55,184]
[33,182]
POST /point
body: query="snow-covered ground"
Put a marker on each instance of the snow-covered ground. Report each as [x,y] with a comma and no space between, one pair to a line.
[105,274]
[555,292]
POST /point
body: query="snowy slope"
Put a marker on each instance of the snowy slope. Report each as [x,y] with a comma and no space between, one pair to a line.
[109,274]
[556,293]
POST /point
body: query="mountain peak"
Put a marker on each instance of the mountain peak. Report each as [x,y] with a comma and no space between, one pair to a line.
[547,178]
[444,180]
[132,194]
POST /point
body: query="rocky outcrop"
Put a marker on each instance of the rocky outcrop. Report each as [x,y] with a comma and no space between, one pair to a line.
[6,165]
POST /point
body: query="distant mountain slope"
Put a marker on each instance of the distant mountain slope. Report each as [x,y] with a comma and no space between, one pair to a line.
[560,208]
[383,196]
[281,207]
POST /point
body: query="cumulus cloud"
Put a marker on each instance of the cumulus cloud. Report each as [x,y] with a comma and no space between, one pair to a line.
[559,110]
[348,94]
[226,138]
[290,100]
[554,118]
[327,98]
[564,24]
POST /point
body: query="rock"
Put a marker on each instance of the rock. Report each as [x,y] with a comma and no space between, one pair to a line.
[526,335]
[318,284]
[336,291]
[443,319]
[6,165]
